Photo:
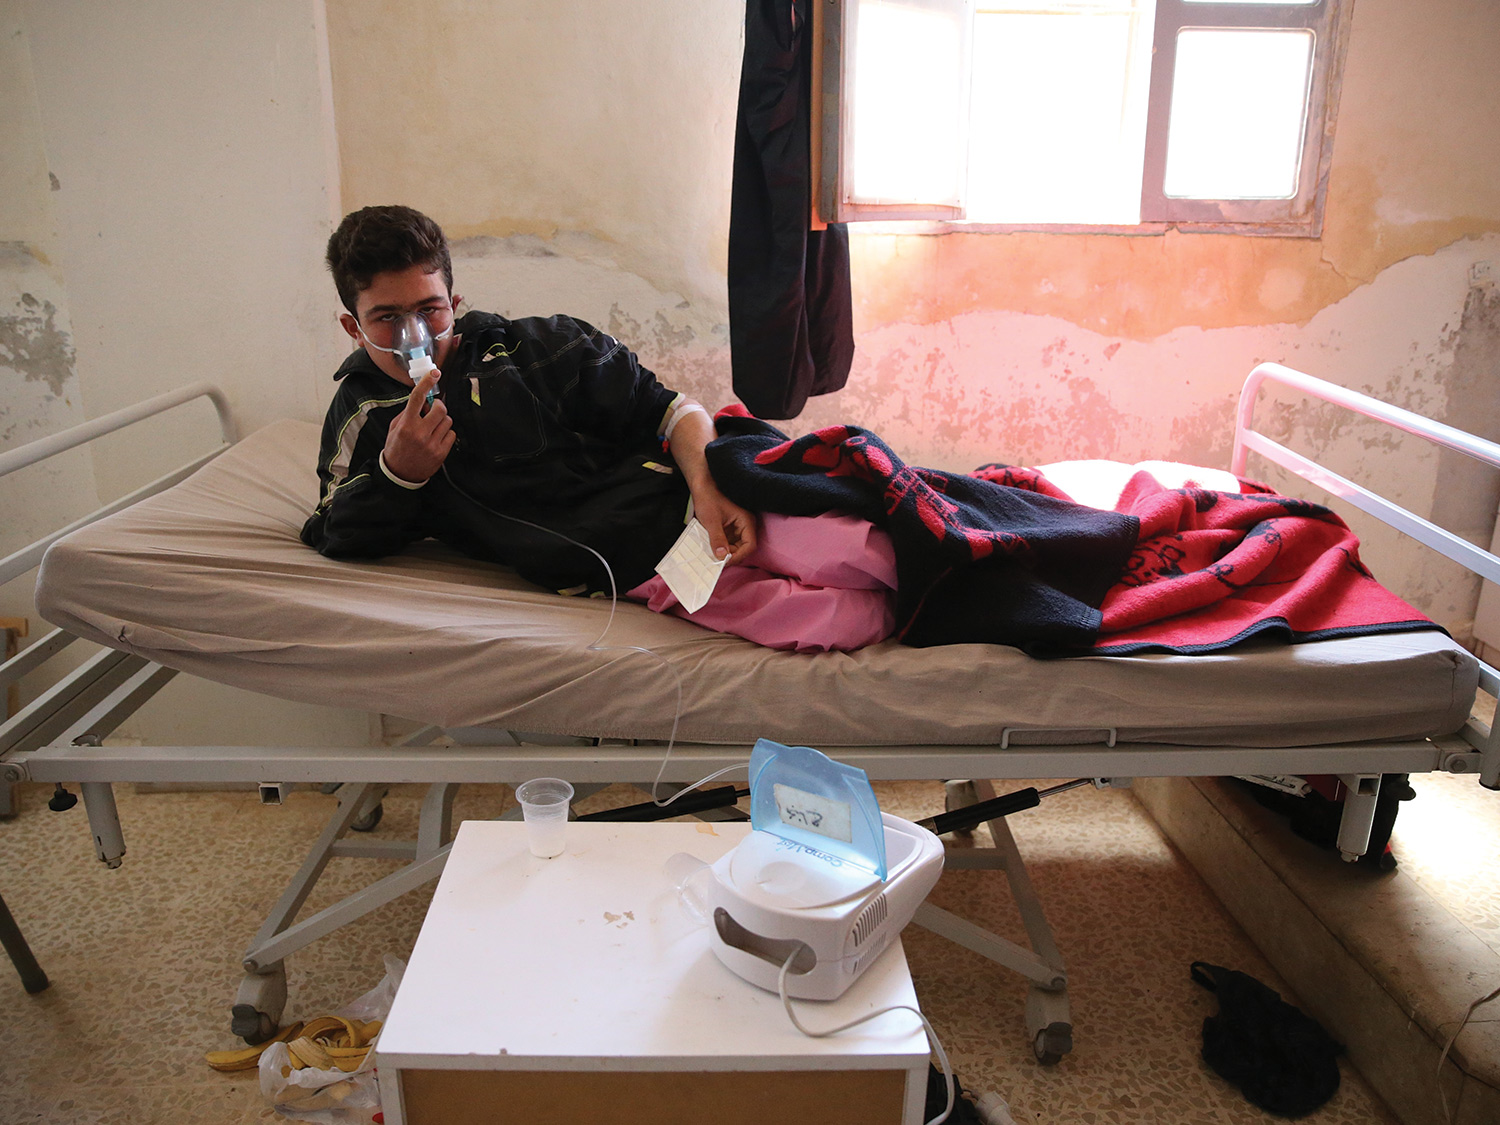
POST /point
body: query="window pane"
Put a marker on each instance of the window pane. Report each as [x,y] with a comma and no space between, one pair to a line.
[908,103]
[1058,115]
[1239,107]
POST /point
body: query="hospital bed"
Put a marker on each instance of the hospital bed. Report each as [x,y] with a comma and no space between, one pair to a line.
[202,572]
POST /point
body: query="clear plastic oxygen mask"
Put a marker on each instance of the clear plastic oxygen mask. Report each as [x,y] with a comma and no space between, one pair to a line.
[413,348]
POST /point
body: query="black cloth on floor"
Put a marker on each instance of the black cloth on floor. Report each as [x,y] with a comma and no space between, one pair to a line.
[1281,1059]
[791,321]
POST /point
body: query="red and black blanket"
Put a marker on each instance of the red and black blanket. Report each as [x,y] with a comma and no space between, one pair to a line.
[1003,556]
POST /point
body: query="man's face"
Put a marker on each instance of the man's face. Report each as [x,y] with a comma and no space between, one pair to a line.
[391,295]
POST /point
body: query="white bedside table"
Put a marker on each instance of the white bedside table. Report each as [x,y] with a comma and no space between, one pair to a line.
[577,989]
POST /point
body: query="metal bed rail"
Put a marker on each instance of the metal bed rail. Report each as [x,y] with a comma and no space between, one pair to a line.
[19,562]
[81,691]
[1475,559]
[509,762]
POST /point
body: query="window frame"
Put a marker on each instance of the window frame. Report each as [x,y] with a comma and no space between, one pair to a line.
[1301,216]
[833,26]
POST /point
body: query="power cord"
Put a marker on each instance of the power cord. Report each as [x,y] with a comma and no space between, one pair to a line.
[932,1037]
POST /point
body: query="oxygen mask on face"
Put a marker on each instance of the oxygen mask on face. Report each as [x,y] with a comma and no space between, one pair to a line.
[413,348]
[413,344]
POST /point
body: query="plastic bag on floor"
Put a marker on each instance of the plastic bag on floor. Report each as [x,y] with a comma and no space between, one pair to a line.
[332,1097]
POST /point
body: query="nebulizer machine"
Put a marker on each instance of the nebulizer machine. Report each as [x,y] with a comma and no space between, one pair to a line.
[818,889]
[823,882]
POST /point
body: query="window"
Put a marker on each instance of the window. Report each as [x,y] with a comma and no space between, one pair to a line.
[1206,114]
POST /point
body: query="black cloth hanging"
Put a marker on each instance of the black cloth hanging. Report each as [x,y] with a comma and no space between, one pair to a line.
[791,326]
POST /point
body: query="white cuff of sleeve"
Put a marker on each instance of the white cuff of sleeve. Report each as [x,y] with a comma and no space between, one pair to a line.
[386,469]
[679,414]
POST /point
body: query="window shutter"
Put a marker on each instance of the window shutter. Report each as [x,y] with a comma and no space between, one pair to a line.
[891,108]
[1218,64]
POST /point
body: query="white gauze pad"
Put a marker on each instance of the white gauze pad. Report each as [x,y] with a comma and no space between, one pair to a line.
[690,569]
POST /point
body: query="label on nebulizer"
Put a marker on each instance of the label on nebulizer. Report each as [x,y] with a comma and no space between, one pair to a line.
[813,812]
[689,569]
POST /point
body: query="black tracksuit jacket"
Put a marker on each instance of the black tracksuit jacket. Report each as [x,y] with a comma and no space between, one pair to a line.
[557,424]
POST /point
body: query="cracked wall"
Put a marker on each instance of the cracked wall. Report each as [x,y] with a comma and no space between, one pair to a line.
[165,190]
[39,395]
[34,345]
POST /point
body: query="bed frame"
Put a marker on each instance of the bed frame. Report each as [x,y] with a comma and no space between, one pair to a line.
[60,737]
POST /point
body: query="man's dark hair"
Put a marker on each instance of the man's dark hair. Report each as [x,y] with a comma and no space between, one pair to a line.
[376,239]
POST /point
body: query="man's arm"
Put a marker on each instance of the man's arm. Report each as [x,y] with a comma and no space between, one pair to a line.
[368,509]
[731,529]
[616,398]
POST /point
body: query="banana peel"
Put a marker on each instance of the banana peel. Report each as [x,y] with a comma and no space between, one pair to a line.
[325,1043]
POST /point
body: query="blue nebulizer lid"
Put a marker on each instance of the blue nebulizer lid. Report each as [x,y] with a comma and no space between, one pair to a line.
[825,806]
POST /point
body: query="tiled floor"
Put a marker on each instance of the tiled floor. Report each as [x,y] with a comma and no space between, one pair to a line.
[144,959]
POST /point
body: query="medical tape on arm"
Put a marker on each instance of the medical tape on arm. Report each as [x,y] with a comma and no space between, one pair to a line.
[681,411]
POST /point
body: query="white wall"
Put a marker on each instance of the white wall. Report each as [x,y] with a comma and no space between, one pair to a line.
[189,153]
[39,386]
[191,145]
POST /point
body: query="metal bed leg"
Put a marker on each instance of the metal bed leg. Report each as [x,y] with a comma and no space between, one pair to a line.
[255,1015]
[1361,795]
[104,822]
[32,977]
[1049,1021]
[261,998]
[435,825]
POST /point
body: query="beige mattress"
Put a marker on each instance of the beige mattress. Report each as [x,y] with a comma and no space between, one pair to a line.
[210,578]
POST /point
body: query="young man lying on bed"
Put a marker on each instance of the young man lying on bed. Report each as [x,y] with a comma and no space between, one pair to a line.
[557,425]
[547,433]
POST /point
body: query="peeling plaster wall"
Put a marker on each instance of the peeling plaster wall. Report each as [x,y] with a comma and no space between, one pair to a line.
[190,145]
[187,180]
[1026,389]
[610,118]
[39,389]
[529,276]
[39,395]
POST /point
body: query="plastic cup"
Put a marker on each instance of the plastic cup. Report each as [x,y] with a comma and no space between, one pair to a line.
[544,807]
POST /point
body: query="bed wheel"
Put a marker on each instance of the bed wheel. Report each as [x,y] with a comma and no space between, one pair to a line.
[367,821]
[250,1025]
[1052,1043]
[256,1013]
